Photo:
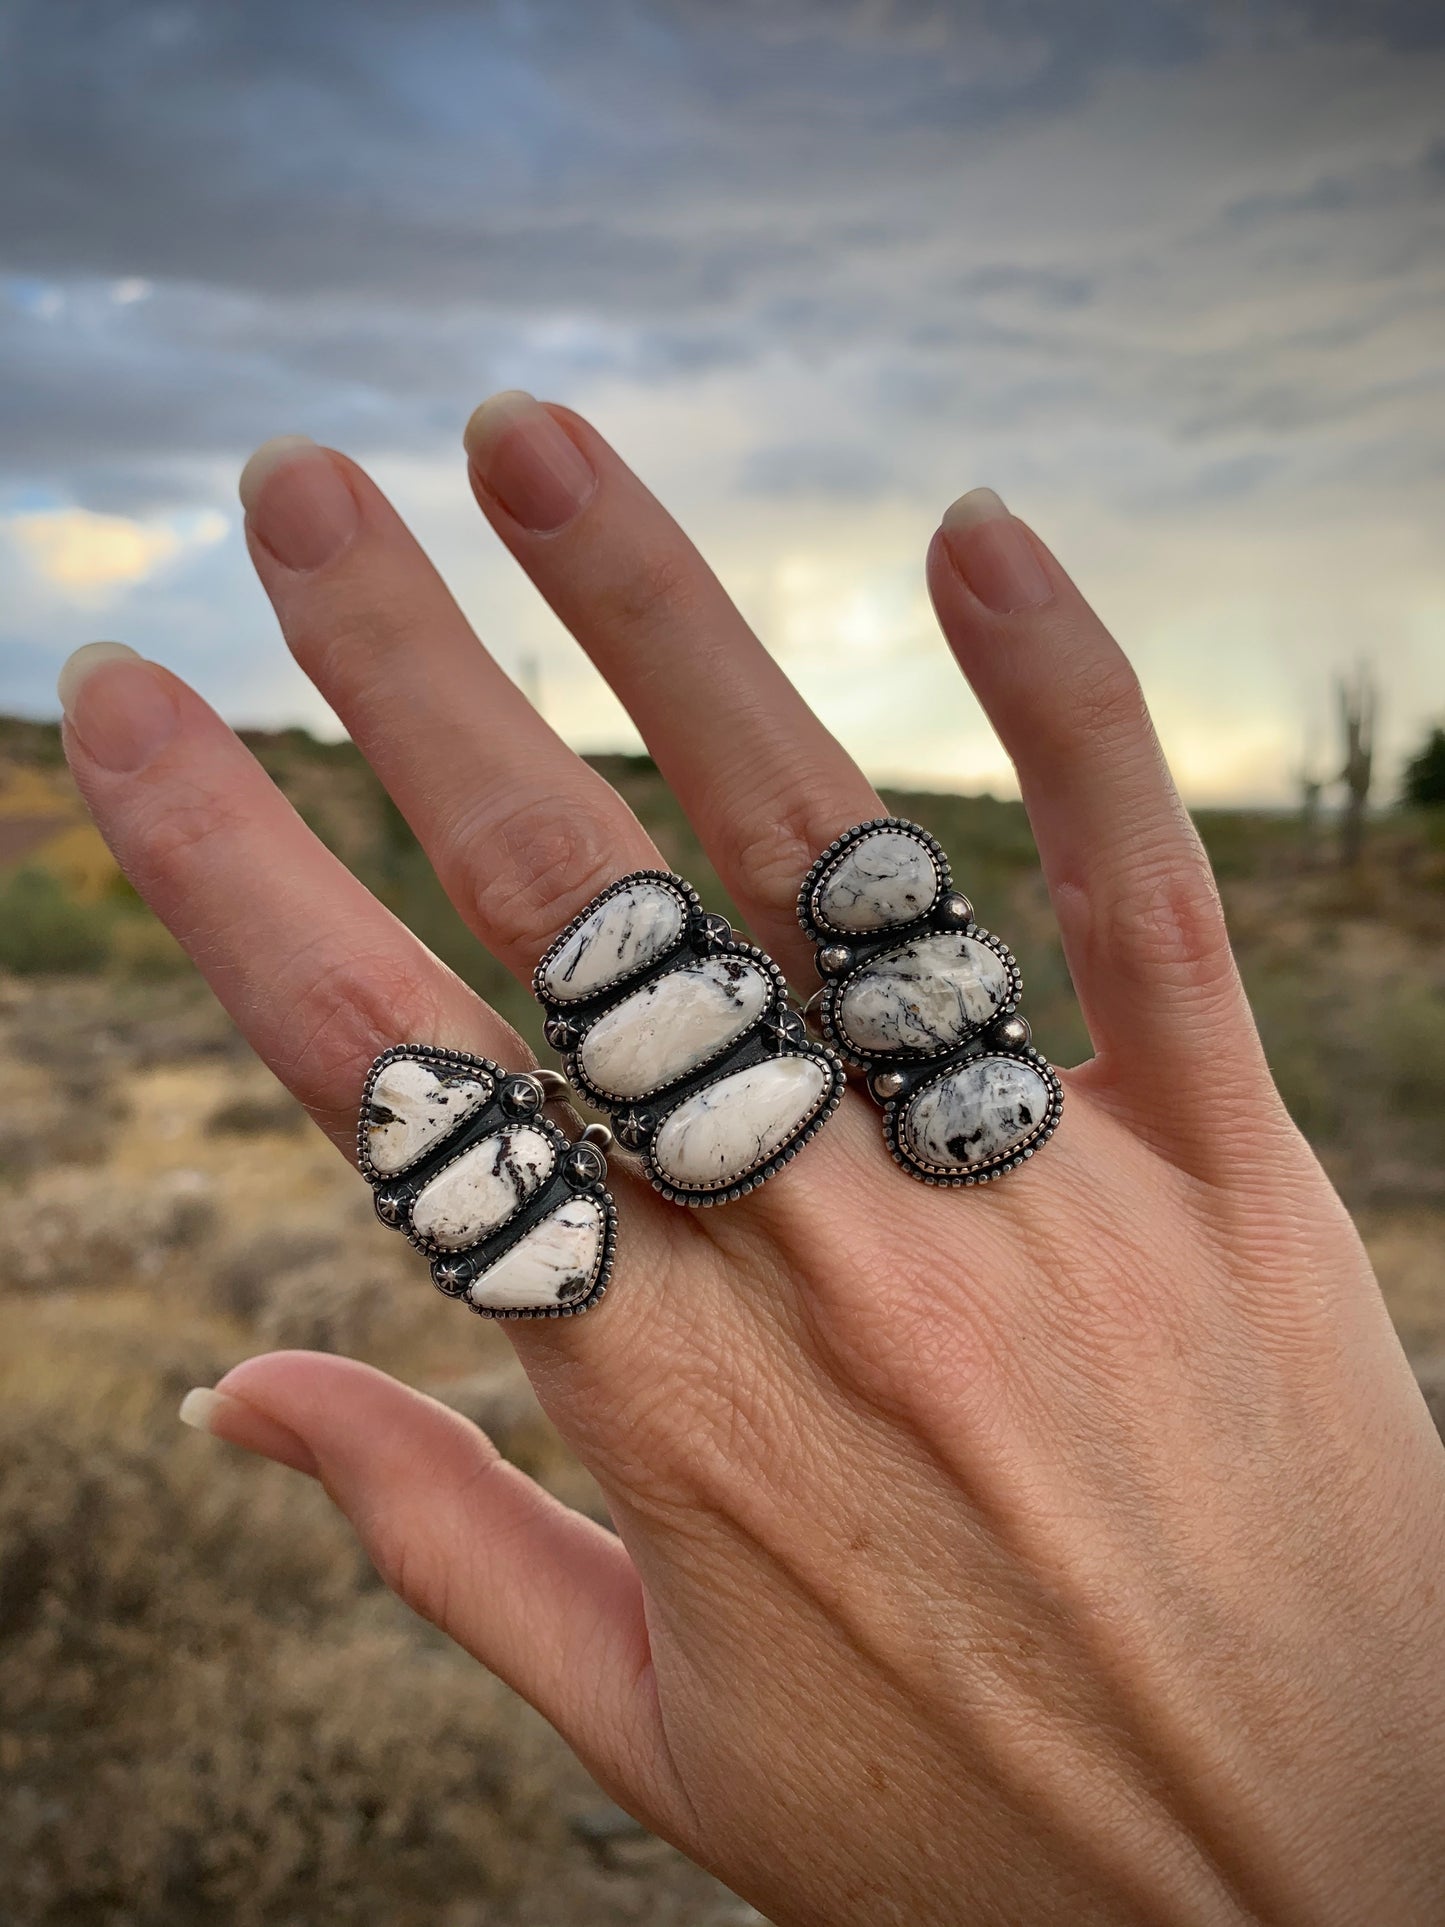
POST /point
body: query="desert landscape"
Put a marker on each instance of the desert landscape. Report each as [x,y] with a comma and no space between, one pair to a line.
[210,1711]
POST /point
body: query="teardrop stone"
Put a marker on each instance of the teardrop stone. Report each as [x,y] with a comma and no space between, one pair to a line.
[885,878]
[555,1263]
[413,1105]
[629,929]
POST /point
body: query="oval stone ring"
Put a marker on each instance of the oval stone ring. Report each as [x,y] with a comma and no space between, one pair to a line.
[686,1036]
[925,1001]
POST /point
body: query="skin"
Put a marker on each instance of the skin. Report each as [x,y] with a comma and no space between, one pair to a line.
[1064,1550]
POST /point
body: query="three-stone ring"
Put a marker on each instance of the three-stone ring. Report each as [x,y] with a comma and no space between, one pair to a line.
[687,1037]
[921,998]
[514,1215]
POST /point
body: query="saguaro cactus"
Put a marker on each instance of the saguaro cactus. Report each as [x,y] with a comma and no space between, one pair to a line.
[1358,704]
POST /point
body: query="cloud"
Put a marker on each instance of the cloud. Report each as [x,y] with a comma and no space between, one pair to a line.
[88,556]
[1165,272]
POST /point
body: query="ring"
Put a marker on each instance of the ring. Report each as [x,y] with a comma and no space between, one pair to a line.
[685,1035]
[920,997]
[513,1214]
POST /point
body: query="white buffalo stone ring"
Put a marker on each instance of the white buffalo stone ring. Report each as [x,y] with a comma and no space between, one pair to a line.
[685,1035]
[923,1000]
[514,1215]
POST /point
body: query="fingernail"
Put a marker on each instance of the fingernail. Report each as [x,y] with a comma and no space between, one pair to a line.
[297,502]
[522,456]
[237,1423]
[993,554]
[118,706]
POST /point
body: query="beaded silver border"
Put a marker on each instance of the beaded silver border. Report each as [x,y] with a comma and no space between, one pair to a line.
[901,1056]
[949,1176]
[818,932]
[691,904]
[745,953]
[445,1257]
[699,1198]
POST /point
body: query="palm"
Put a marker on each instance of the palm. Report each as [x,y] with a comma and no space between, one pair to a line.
[932,1505]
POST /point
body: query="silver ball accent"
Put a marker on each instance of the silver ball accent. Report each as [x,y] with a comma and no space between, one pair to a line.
[956,909]
[833,959]
[886,1085]
[598,1134]
[1014,1033]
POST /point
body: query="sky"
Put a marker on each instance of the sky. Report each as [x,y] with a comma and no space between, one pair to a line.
[1168,274]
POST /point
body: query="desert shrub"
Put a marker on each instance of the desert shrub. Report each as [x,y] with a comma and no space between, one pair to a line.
[325,1307]
[80,1228]
[43,928]
[204,1718]
[244,1271]
[253,1114]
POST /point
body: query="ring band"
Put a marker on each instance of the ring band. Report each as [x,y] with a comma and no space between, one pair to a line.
[513,1214]
[685,1035]
[920,997]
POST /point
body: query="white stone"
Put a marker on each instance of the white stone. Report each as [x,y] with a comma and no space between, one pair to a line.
[673,1025]
[721,1133]
[555,1263]
[413,1105]
[883,879]
[480,1190]
[628,930]
[981,1111]
[924,996]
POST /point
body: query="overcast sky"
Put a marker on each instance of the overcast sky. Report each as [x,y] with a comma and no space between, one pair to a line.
[1167,274]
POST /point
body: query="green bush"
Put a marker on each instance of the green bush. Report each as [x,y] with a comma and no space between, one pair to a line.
[43,929]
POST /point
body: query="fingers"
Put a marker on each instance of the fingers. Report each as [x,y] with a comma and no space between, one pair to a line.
[521,832]
[1141,920]
[763,782]
[544,1598]
[315,972]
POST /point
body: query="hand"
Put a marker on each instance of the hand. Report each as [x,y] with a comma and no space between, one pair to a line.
[1065,1550]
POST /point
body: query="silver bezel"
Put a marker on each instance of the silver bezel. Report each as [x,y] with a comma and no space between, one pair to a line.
[700,1198]
[836,987]
[747,953]
[687,897]
[950,1176]
[816,930]
[530,1212]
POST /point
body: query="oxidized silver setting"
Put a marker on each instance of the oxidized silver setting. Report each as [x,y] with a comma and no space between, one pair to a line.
[1005,1097]
[703,948]
[515,1100]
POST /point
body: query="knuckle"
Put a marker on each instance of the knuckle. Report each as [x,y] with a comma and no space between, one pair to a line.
[1100,704]
[190,819]
[339,1014]
[655,587]
[1164,920]
[770,849]
[525,875]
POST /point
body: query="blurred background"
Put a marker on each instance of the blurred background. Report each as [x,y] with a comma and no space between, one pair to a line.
[1169,275]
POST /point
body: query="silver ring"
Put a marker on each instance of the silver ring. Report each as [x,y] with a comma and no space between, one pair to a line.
[925,1001]
[513,1214]
[686,1036]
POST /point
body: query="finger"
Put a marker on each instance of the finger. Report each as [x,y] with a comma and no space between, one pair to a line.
[762,781]
[1136,902]
[317,974]
[544,1598]
[519,829]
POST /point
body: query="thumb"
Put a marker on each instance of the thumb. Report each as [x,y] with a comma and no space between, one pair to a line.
[544,1598]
